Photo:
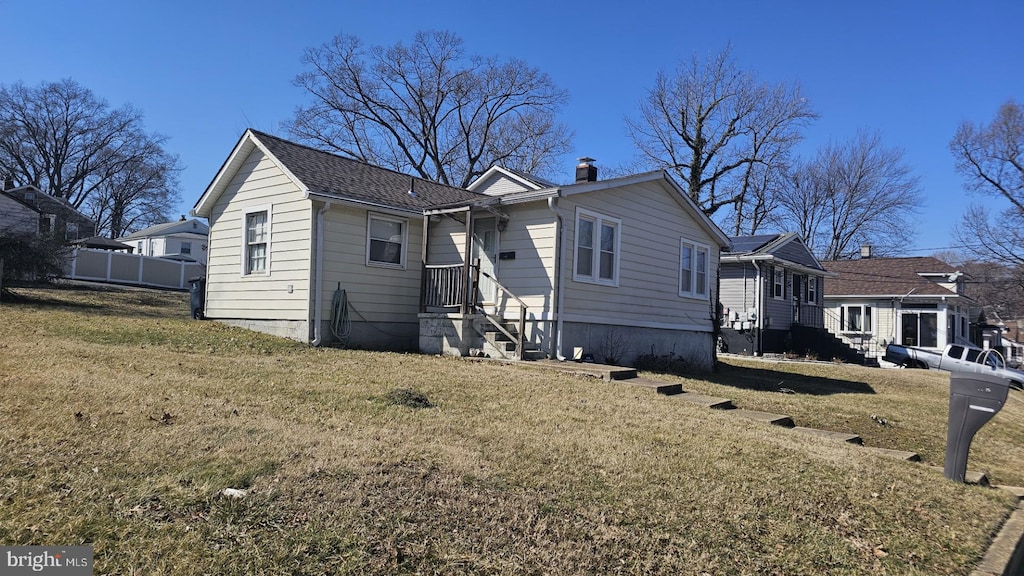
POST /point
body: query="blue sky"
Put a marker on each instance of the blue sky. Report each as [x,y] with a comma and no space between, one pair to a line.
[202,72]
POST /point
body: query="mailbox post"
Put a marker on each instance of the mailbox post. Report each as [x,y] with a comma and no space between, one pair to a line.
[974,398]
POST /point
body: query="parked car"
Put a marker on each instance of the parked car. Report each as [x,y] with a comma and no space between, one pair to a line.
[954,358]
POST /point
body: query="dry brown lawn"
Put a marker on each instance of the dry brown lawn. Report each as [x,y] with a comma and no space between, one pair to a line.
[123,421]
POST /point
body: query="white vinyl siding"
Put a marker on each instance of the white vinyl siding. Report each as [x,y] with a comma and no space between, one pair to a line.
[386,241]
[648,260]
[231,295]
[376,293]
[693,269]
[597,248]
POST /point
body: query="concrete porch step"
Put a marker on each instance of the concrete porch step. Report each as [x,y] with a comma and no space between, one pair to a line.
[766,417]
[829,435]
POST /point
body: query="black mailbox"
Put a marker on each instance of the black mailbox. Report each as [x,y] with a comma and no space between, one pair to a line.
[974,398]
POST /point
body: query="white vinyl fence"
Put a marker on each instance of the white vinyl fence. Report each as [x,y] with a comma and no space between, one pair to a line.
[136,269]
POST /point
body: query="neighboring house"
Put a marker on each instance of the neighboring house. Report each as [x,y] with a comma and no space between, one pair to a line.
[772,290]
[181,240]
[914,301]
[317,247]
[29,209]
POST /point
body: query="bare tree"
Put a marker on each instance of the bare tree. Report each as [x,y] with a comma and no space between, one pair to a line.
[430,109]
[721,132]
[142,193]
[991,160]
[59,137]
[850,194]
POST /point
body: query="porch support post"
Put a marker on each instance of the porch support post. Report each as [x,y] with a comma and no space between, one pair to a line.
[423,263]
[467,282]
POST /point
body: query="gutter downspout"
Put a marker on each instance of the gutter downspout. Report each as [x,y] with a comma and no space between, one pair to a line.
[556,342]
[318,287]
[758,307]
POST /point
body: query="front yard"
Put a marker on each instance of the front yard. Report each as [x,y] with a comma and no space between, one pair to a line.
[124,421]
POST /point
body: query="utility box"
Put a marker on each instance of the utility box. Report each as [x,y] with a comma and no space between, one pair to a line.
[974,398]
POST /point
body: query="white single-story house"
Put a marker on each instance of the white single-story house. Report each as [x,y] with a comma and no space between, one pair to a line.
[181,240]
[916,301]
[322,248]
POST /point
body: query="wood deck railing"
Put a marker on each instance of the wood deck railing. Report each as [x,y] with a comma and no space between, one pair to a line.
[443,286]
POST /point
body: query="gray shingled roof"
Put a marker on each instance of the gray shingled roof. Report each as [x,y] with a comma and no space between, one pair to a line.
[886,276]
[347,179]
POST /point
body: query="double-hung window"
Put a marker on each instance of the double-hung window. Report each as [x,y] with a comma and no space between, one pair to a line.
[186,247]
[693,269]
[857,319]
[812,289]
[256,242]
[386,240]
[598,240]
[779,283]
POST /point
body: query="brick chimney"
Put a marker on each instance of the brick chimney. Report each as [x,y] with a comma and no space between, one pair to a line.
[865,251]
[586,171]
[8,183]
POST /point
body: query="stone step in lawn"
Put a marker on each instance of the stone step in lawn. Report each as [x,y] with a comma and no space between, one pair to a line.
[659,386]
[766,417]
[897,454]
[829,435]
[706,401]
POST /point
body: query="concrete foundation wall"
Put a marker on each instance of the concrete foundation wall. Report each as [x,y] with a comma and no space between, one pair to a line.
[451,334]
[622,345]
[291,329]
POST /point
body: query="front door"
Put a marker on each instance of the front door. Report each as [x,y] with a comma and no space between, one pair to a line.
[485,247]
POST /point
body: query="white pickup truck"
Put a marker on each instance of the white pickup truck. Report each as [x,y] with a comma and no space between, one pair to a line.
[954,358]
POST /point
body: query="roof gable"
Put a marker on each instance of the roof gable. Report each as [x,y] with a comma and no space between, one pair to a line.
[666,182]
[888,277]
[170,229]
[44,203]
[498,180]
[330,176]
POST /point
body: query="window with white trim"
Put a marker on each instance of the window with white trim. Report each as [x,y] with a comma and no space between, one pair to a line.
[186,248]
[857,319]
[255,242]
[598,240]
[386,239]
[812,289]
[779,283]
[693,269]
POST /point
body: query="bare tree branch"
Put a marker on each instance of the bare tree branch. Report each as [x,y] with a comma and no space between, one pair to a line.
[721,132]
[429,109]
[850,194]
[59,137]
